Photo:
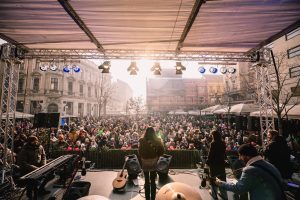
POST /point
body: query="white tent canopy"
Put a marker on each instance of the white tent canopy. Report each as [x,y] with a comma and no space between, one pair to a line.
[223,110]
[194,112]
[294,113]
[18,115]
[243,108]
[210,110]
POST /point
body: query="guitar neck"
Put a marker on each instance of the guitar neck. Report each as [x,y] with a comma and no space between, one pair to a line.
[124,165]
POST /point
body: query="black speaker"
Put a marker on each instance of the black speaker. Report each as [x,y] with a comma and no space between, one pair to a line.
[133,166]
[253,124]
[241,123]
[46,120]
[163,164]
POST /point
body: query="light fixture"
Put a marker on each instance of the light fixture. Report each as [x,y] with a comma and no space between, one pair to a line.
[179,67]
[44,68]
[156,69]
[223,70]
[105,66]
[201,70]
[231,70]
[53,67]
[76,69]
[213,70]
[66,69]
[133,69]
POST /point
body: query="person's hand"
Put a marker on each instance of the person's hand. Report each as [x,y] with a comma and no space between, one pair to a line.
[218,182]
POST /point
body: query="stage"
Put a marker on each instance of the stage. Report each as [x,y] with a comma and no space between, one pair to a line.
[101,184]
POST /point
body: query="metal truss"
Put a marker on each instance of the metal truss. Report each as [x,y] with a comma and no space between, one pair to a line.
[9,79]
[264,96]
[136,55]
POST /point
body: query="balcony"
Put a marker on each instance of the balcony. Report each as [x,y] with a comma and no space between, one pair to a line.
[54,93]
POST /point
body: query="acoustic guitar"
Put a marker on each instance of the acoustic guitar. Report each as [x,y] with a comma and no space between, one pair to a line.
[120,181]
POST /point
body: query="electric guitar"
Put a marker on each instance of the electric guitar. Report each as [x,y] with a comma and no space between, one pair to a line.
[120,181]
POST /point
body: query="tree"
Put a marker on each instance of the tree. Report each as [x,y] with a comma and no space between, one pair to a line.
[283,97]
[136,104]
[106,91]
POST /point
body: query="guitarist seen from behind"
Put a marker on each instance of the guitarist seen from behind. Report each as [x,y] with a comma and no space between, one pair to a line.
[150,149]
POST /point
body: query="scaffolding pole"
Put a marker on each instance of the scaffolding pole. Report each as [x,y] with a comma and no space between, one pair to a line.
[9,79]
[264,95]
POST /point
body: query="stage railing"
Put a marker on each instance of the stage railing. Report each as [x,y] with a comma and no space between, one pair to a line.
[114,158]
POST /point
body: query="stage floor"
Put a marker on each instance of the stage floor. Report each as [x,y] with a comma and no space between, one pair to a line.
[101,184]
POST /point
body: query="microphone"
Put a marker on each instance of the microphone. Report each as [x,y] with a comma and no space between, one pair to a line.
[83,169]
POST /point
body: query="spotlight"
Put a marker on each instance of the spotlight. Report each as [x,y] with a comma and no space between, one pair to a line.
[201,70]
[105,66]
[66,69]
[231,70]
[223,70]
[179,67]
[156,69]
[213,70]
[76,69]
[53,67]
[133,68]
[43,68]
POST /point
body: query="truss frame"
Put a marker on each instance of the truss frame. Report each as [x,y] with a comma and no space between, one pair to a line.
[137,55]
[9,90]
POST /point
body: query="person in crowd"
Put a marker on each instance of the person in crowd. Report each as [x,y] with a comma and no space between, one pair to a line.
[278,153]
[150,149]
[216,163]
[31,157]
[260,178]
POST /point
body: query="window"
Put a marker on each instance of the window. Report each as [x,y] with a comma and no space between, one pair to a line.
[294,52]
[294,71]
[89,92]
[20,106]
[54,84]
[70,88]
[81,89]
[292,34]
[295,91]
[37,64]
[80,109]
[21,85]
[69,108]
[89,109]
[52,108]
[36,85]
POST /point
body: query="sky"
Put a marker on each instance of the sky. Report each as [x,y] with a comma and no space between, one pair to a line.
[137,82]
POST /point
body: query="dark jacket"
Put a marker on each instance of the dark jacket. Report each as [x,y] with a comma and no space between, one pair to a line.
[150,150]
[259,183]
[216,158]
[278,154]
[31,157]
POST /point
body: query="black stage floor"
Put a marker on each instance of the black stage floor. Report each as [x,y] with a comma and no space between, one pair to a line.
[101,184]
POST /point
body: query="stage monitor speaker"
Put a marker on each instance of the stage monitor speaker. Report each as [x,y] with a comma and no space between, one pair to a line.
[46,120]
[133,166]
[163,164]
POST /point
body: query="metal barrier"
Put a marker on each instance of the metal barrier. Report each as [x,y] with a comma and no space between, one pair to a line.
[114,158]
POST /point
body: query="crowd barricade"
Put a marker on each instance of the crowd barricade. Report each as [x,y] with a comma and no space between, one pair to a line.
[114,158]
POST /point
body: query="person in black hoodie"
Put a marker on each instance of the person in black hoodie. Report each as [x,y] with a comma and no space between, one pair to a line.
[278,153]
[216,163]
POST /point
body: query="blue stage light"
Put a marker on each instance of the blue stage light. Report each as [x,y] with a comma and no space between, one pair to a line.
[201,70]
[76,69]
[66,69]
[213,70]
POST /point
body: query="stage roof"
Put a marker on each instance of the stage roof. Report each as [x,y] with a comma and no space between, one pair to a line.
[175,26]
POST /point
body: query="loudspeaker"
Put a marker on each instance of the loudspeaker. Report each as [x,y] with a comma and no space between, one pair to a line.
[253,124]
[133,166]
[163,164]
[46,120]
[240,123]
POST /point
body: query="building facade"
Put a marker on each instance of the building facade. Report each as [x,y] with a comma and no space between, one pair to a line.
[170,92]
[71,94]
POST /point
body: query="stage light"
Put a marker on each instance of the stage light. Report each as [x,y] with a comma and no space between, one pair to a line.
[53,67]
[223,70]
[231,70]
[156,69]
[133,68]
[43,68]
[179,67]
[201,70]
[66,69]
[213,70]
[76,69]
[105,66]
